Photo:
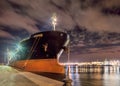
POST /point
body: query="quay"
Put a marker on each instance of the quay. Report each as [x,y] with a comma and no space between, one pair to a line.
[12,77]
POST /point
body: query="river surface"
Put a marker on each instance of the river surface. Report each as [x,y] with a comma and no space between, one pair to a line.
[96,76]
[93,76]
[95,79]
[108,77]
[90,79]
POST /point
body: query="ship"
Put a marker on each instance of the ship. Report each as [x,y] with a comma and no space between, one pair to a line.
[41,52]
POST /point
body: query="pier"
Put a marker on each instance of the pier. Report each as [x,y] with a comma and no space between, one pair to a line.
[12,77]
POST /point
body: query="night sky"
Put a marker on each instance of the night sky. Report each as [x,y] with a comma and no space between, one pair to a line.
[93,25]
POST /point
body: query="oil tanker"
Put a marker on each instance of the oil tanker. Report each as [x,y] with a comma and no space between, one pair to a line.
[41,51]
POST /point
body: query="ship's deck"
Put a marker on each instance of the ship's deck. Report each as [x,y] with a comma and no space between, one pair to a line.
[13,77]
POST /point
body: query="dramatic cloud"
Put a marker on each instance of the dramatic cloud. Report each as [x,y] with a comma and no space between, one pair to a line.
[97,22]
[4,34]
[17,21]
[89,14]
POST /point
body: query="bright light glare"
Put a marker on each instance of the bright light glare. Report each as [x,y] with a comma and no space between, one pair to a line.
[54,20]
[19,47]
[11,55]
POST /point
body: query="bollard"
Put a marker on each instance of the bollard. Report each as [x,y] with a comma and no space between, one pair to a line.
[67,82]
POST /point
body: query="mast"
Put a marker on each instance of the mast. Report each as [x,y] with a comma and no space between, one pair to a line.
[54,20]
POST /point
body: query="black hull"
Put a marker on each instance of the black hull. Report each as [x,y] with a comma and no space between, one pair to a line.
[43,45]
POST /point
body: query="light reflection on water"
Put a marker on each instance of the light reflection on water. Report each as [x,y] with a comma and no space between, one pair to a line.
[95,79]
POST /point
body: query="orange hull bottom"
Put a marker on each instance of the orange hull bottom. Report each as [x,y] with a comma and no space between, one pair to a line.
[40,65]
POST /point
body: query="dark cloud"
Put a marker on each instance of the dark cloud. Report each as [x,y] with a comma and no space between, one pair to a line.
[19,9]
[71,13]
[4,34]
[111,11]
[92,24]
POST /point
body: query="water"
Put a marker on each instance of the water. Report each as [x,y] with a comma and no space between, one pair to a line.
[95,79]
[108,77]
[89,79]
